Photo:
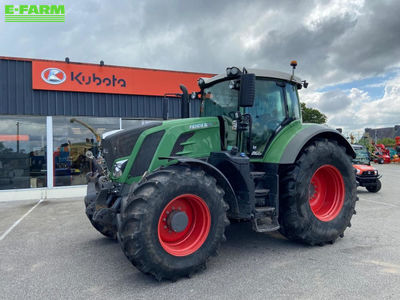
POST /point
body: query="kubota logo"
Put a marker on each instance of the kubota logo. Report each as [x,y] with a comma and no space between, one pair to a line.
[53,76]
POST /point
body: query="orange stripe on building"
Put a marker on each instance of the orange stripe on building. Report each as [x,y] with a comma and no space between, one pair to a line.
[8,137]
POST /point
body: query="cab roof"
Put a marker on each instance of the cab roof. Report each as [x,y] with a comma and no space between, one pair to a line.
[259,73]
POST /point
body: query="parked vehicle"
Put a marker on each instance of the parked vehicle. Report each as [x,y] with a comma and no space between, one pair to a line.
[366,175]
[167,190]
[381,154]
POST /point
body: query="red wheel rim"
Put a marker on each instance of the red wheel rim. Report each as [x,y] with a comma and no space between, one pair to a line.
[326,193]
[193,235]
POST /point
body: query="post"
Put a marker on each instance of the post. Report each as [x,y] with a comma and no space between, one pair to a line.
[17,137]
[49,148]
[165,111]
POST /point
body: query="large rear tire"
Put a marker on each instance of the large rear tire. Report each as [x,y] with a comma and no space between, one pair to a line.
[318,194]
[172,221]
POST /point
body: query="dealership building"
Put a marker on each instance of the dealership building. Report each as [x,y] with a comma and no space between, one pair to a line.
[42,105]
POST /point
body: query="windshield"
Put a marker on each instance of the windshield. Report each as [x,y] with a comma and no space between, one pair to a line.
[361,153]
[219,100]
[362,156]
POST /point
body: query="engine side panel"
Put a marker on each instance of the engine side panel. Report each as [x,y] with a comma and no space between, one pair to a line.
[192,137]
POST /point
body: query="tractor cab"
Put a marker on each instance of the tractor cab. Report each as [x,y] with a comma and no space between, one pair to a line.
[252,105]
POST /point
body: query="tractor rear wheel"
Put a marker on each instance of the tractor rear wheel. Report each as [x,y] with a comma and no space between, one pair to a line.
[318,194]
[172,221]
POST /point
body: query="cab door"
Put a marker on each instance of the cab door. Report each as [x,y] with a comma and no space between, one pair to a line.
[268,113]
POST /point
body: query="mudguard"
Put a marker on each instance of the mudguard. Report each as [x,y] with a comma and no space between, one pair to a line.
[222,181]
[306,136]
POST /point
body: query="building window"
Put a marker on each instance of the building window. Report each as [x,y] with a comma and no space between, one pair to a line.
[71,140]
[22,152]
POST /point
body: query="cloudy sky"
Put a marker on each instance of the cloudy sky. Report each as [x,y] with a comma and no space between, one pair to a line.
[348,50]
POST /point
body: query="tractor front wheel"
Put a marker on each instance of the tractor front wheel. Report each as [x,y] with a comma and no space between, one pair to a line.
[90,205]
[318,194]
[172,221]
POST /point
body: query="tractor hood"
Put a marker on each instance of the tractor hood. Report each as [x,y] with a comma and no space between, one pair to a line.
[121,143]
[142,149]
[364,168]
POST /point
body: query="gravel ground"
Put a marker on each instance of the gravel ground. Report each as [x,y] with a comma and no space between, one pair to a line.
[55,253]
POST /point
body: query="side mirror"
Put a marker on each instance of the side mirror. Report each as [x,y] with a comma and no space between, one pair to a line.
[247,91]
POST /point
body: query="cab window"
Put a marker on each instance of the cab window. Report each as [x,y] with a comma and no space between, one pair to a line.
[267,113]
[292,101]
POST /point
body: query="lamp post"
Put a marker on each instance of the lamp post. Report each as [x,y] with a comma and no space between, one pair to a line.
[17,137]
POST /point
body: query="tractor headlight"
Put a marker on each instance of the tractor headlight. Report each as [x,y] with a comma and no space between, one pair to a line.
[201,82]
[119,167]
[375,172]
[358,172]
[232,71]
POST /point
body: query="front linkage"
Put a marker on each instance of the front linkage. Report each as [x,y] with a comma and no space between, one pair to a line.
[103,200]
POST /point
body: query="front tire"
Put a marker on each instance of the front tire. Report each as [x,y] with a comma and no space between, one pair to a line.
[172,221]
[375,188]
[90,204]
[318,194]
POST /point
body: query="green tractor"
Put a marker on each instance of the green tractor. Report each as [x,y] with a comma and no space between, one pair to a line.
[167,190]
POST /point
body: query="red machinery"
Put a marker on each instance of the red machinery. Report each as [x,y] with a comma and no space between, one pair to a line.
[396,158]
[381,154]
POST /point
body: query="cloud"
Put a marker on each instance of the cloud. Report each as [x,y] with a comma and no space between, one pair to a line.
[334,41]
[331,102]
[355,110]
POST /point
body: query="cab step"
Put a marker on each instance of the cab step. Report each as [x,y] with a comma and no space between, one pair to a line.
[265,211]
[261,193]
[265,219]
[256,174]
[265,225]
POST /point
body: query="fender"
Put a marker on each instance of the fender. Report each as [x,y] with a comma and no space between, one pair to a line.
[306,136]
[222,181]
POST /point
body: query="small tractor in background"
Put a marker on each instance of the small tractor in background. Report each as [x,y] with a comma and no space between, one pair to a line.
[167,190]
[366,175]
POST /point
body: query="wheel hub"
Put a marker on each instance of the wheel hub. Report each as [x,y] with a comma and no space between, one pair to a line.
[326,193]
[177,221]
[184,225]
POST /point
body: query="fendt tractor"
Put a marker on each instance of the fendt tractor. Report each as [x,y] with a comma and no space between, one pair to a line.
[167,190]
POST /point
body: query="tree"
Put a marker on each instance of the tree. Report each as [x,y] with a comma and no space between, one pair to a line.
[366,141]
[387,141]
[312,115]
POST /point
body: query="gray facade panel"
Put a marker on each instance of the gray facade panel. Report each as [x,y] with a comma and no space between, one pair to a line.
[18,98]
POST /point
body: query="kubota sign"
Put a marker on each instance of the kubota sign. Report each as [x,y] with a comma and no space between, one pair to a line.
[47,75]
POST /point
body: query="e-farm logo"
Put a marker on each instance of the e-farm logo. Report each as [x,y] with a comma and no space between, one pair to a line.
[34,13]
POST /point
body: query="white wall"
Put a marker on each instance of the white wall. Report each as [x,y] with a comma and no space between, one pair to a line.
[77,191]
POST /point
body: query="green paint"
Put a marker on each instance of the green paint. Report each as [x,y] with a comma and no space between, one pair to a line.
[280,142]
[206,139]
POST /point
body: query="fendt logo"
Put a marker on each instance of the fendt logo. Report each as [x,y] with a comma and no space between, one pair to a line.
[53,76]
